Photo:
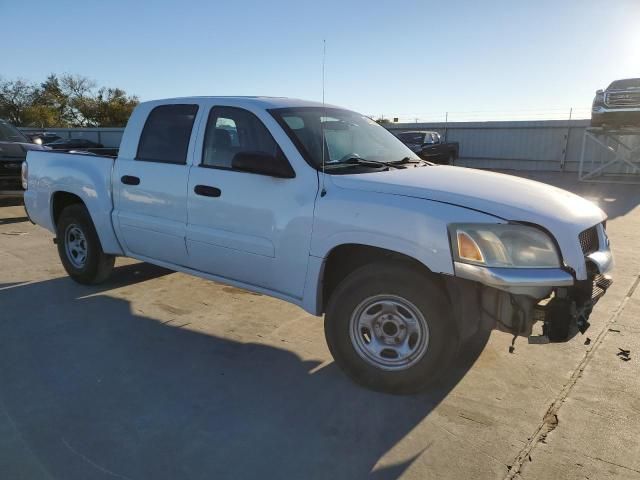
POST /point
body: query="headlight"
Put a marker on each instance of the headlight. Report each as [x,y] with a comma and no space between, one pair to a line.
[503,245]
[598,100]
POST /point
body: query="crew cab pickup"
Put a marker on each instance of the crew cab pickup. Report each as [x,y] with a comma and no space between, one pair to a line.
[322,207]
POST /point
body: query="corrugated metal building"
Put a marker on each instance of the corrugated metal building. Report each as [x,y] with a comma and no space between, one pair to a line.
[549,145]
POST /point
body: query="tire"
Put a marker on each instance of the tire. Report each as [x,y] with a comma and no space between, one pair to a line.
[89,264]
[392,293]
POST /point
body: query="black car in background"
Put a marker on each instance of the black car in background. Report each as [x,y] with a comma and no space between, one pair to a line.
[618,105]
[74,144]
[429,146]
[14,146]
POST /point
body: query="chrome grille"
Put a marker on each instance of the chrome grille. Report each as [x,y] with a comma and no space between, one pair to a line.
[622,99]
[589,240]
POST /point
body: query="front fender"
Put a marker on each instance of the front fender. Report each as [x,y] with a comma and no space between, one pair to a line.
[410,226]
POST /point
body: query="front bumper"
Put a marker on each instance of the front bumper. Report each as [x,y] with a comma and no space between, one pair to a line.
[513,299]
[530,281]
[615,116]
[521,281]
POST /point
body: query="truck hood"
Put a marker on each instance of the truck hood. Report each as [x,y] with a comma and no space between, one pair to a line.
[505,196]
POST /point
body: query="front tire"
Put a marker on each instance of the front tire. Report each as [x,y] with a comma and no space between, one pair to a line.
[388,327]
[79,247]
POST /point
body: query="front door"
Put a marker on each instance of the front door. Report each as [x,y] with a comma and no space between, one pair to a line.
[247,227]
[150,190]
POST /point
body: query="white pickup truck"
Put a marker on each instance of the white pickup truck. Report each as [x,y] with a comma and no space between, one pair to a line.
[322,207]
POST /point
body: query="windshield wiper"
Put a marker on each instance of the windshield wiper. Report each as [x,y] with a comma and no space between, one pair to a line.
[410,160]
[365,161]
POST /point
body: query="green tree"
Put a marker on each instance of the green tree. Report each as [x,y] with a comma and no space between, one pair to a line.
[16,99]
[64,101]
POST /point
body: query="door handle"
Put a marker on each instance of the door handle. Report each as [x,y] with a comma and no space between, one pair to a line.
[207,191]
[130,180]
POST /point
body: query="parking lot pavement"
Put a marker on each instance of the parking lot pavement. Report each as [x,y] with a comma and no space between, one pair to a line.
[160,375]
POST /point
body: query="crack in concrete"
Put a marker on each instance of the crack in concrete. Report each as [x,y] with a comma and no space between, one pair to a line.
[21,438]
[550,419]
[92,463]
[612,463]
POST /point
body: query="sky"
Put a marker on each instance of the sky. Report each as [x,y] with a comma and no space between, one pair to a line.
[411,59]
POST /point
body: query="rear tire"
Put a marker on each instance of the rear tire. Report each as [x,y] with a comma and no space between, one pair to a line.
[79,247]
[388,327]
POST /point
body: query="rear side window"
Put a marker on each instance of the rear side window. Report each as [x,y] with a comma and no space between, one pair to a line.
[166,133]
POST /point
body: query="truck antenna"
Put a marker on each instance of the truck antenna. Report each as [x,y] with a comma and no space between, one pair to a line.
[323,190]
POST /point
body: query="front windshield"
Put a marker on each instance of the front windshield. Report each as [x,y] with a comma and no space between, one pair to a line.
[9,133]
[347,136]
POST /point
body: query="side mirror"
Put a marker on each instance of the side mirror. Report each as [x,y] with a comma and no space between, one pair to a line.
[599,91]
[263,164]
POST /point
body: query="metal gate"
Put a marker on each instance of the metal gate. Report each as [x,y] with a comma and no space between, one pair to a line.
[610,155]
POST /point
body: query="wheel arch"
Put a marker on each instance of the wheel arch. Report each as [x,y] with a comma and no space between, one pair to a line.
[60,199]
[343,259]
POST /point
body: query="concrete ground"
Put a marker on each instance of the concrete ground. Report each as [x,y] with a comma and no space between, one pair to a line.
[158,375]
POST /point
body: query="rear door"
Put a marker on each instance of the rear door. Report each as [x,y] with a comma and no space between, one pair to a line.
[150,189]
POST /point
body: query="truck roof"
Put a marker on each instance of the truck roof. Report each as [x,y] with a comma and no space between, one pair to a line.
[242,101]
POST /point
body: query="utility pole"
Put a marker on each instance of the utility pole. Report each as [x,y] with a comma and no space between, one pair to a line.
[446,127]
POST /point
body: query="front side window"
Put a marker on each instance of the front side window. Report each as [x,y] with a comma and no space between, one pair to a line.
[340,137]
[166,133]
[232,130]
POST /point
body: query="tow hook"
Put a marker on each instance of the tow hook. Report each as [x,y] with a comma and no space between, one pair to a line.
[55,240]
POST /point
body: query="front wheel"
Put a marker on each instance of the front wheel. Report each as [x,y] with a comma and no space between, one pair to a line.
[388,327]
[79,247]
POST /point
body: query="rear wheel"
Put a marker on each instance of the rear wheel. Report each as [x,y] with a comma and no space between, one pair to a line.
[388,327]
[79,247]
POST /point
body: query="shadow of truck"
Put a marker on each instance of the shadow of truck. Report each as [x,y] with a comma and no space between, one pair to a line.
[93,390]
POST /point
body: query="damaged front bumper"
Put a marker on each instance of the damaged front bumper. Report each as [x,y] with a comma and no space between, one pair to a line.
[514,299]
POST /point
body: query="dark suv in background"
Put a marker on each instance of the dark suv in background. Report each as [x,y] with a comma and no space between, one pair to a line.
[14,146]
[429,146]
[618,105]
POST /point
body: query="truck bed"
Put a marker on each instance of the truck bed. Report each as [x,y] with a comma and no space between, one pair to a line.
[85,175]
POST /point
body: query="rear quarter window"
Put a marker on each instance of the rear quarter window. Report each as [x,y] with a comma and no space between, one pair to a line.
[166,134]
